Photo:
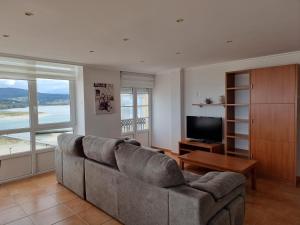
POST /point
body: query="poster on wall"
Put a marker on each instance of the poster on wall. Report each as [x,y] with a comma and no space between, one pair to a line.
[104,98]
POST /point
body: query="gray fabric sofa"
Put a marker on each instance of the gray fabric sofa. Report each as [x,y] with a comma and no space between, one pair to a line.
[140,186]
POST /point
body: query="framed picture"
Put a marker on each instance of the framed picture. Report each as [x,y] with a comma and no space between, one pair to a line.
[104,98]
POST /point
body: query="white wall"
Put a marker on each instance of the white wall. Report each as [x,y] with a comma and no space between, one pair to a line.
[209,81]
[106,125]
[167,109]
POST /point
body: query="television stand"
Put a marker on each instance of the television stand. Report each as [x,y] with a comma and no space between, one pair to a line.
[187,146]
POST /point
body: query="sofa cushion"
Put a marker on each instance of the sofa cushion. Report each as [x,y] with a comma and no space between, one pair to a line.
[101,149]
[70,144]
[149,166]
[218,184]
[189,176]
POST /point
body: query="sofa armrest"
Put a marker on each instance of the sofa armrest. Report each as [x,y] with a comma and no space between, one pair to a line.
[189,206]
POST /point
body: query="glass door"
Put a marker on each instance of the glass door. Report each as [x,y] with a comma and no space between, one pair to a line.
[136,114]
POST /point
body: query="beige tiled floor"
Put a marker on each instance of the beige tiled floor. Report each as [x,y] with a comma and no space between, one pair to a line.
[41,201]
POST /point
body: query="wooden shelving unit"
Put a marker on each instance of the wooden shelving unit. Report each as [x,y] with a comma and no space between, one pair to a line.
[237,126]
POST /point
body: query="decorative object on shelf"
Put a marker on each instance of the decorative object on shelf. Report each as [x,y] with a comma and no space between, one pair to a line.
[104,98]
[208,101]
[222,99]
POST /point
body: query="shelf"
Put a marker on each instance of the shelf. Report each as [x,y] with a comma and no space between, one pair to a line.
[238,121]
[238,104]
[245,87]
[238,136]
[239,152]
[212,104]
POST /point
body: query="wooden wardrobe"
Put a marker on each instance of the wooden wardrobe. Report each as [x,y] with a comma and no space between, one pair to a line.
[273,122]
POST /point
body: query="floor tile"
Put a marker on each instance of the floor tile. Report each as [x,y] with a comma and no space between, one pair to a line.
[64,196]
[24,221]
[73,220]
[112,222]
[6,202]
[77,205]
[11,214]
[38,204]
[51,216]
[94,216]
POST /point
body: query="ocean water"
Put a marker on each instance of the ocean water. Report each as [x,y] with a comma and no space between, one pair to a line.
[47,114]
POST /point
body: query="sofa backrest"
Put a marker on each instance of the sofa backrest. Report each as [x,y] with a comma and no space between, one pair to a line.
[70,144]
[149,166]
[101,149]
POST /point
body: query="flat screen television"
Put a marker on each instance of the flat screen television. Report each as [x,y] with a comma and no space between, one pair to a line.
[206,129]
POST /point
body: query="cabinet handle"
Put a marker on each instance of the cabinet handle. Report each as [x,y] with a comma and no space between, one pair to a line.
[251,86]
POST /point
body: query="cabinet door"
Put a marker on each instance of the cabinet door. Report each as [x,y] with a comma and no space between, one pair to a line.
[275,159]
[274,84]
[273,122]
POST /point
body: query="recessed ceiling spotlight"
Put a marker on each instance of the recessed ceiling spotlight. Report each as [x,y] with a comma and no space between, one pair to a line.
[178,53]
[28,13]
[180,20]
[5,35]
[142,61]
[125,39]
[91,51]
[229,41]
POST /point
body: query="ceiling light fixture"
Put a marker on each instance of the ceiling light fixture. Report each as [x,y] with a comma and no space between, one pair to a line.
[5,35]
[91,51]
[178,53]
[125,39]
[229,41]
[28,13]
[180,20]
[142,61]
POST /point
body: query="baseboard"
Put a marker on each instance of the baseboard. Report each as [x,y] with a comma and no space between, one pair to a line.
[165,150]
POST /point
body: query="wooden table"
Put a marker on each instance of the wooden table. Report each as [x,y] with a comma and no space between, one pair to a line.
[221,163]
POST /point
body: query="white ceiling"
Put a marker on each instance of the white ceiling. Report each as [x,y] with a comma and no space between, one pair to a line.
[68,29]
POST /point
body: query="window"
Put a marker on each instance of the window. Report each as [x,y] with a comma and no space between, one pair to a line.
[48,138]
[14,143]
[14,104]
[135,109]
[20,123]
[53,99]
[143,109]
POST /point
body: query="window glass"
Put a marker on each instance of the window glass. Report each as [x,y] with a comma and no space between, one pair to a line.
[127,110]
[14,104]
[143,109]
[53,97]
[48,138]
[14,143]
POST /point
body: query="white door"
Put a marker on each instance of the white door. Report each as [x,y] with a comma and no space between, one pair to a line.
[136,114]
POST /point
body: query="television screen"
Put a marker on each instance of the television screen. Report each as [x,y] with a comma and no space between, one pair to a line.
[205,128]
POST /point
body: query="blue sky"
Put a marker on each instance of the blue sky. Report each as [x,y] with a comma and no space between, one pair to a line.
[43,85]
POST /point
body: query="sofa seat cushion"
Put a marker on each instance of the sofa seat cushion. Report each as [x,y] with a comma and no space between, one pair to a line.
[148,166]
[218,184]
[101,149]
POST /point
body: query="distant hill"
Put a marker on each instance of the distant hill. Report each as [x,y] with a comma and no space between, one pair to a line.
[18,98]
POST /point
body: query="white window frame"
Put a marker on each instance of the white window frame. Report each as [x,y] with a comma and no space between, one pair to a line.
[135,108]
[33,121]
